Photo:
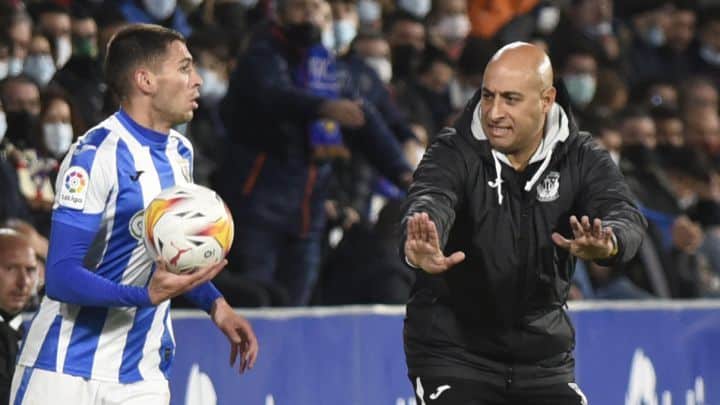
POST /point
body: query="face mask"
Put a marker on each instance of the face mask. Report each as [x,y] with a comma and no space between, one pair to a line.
[15,66]
[418,8]
[345,32]
[85,47]
[19,126]
[213,88]
[63,47]
[40,67]
[381,66]
[710,55]
[654,36]
[247,3]
[160,9]
[328,39]
[405,60]
[547,19]
[57,137]
[368,11]
[3,125]
[302,35]
[599,30]
[4,68]
[453,27]
[581,88]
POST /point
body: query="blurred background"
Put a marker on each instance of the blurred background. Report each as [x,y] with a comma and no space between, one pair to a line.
[642,77]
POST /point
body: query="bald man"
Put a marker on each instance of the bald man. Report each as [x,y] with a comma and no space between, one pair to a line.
[500,207]
[18,280]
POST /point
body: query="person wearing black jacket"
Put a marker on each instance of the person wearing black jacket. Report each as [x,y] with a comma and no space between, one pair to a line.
[499,208]
[18,281]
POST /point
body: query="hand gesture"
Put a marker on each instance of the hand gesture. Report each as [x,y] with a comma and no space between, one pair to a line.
[165,284]
[347,112]
[422,246]
[591,242]
[239,333]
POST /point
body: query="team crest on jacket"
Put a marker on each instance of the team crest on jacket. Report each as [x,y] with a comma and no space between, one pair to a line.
[548,188]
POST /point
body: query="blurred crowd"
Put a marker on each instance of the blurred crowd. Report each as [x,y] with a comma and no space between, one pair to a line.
[314,113]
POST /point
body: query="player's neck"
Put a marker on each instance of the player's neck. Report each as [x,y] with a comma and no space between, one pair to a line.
[145,116]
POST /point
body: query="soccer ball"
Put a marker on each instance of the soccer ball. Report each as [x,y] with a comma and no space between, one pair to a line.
[189,226]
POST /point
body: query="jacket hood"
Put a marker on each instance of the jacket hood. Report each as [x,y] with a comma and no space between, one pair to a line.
[559,126]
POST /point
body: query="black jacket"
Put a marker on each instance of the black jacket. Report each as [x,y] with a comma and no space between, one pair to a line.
[9,342]
[499,314]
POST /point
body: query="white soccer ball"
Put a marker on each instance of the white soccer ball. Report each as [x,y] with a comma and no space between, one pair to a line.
[189,226]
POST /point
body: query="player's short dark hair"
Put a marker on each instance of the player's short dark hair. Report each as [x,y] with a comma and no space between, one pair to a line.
[132,46]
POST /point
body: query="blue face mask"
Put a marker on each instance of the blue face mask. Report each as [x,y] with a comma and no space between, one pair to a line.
[581,88]
[654,36]
[40,67]
[368,11]
[345,31]
[418,8]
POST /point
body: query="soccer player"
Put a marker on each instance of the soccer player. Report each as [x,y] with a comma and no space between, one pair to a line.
[103,332]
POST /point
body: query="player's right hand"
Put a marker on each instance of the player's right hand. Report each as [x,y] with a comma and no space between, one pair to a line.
[165,284]
[422,246]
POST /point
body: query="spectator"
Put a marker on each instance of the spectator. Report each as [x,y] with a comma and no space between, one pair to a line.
[279,207]
[39,63]
[578,71]
[21,98]
[164,13]
[12,203]
[449,26]
[19,28]
[81,77]
[53,21]
[707,61]
[18,281]
[406,36]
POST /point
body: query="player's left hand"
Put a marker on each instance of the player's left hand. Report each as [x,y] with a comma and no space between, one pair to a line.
[239,333]
[592,241]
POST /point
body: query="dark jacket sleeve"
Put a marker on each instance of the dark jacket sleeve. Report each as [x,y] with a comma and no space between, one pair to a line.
[605,195]
[377,143]
[262,83]
[438,185]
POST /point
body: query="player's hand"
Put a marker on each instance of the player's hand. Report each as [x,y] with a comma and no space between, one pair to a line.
[591,241]
[165,284]
[422,246]
[239,333]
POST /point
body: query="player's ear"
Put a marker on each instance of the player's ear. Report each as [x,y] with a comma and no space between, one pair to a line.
[145,80]
[547,98]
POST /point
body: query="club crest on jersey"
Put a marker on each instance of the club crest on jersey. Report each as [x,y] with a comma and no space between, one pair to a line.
[74,188]
[136,225]
[549,188]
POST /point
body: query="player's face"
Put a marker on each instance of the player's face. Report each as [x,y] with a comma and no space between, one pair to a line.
[18,277]
[512,109]
[178,85]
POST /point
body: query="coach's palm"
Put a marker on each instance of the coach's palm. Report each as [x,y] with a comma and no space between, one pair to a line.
[422,246]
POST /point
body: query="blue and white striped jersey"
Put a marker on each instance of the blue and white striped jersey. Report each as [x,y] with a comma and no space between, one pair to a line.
[108,177]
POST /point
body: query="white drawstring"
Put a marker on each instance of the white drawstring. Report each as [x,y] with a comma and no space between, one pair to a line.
[540,170]
[497,184]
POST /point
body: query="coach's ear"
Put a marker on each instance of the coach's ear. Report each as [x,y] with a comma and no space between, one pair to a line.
[145,81]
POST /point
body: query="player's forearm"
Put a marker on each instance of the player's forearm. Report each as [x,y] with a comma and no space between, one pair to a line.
[67,280]
[204,296]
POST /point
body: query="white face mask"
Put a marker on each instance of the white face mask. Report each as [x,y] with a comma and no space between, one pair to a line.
[40,67]
[547,19]
[602,29]
[160,9]
[15,66]
[4,67]
[246,3]
[3,125]
[710,55]
[581,88]
[328,39]
[418,8]
[64,50]
[453,27]
[58,137]
[368,11]
[381,66]
[213,88]
[345,31]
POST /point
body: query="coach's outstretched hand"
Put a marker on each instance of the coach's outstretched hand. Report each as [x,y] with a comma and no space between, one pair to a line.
[165,284]
[422,246]
[239,333]
[591,240]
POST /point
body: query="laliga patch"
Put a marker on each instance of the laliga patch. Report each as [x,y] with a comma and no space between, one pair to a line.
[74,188]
